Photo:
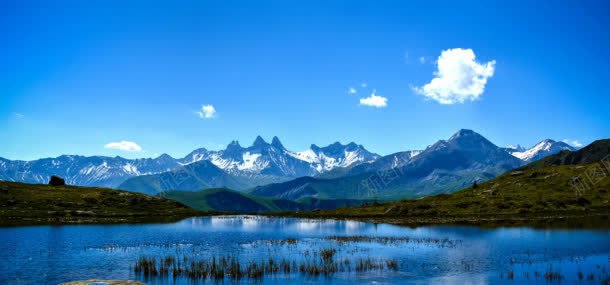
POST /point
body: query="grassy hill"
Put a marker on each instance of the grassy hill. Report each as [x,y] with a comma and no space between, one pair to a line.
[22,203]
[595,152]
[198,175]
[568,184]
[226,200]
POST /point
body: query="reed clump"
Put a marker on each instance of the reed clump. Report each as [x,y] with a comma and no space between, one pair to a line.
[217,268]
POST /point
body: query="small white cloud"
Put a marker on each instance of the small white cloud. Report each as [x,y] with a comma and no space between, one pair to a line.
[363,85]
[458,78]
[352,90]
[422,60]
[207,112]
[575,143]
[374,101]
[19,115]
[124,146]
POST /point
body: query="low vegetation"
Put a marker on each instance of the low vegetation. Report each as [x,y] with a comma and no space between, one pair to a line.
[545,194]
[217,268]
[22,204]
[226,200]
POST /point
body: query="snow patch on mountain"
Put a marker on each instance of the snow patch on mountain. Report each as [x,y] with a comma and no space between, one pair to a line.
[542,149]
[261,159]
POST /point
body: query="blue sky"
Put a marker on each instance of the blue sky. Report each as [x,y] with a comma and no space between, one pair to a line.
[77,75]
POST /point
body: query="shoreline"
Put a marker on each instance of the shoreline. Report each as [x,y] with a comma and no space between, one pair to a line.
[103,220]
[551,220]
[555,220]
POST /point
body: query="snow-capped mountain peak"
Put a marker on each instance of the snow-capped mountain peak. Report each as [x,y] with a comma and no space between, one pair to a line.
[542,149]
[515,148]
[335,155]
[274,159]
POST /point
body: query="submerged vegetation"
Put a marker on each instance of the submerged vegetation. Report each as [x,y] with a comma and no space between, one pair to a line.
[341,257]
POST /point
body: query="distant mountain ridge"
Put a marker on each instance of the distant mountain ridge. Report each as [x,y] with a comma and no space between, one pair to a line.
[540,150]
[242,168]
[261,162]
[569,183]
[84,171]
[444,167]
[597,151]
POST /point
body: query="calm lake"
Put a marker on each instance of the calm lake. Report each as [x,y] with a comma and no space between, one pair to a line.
[432,254]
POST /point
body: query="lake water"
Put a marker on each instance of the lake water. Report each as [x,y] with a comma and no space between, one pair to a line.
[432,254]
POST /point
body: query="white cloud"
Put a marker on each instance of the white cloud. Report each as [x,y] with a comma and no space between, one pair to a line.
[575,143]
[352,90]
[19,115]
[374,101]
[363,85]
[207,112]
[124,146]
[422,60]
[459,77]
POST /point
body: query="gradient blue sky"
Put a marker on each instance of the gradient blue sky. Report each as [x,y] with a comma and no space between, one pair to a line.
[76,75]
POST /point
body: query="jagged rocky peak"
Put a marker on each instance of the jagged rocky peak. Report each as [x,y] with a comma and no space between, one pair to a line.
[277,143]
[513,148]
[259,141]
[314,147]
[233,149]
[234,144]
[334,147]
[352,146]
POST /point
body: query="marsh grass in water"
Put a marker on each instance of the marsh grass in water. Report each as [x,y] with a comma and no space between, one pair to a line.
[322,262]
[554,275]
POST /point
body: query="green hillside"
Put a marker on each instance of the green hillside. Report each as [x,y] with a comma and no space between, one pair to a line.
[43,204]
[596,151]
[371,186]
[560,186]
[226,200]
[199,175]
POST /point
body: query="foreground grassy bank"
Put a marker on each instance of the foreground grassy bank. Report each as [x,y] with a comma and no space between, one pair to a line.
[29,204]
[548,196]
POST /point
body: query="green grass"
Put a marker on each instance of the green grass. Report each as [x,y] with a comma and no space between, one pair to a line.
[43,204]
[532,193]
[226,200]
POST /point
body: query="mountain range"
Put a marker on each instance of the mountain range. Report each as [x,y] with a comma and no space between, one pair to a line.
[568,189]
[336,171]
[443,167]
[540,150]
[241,167]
